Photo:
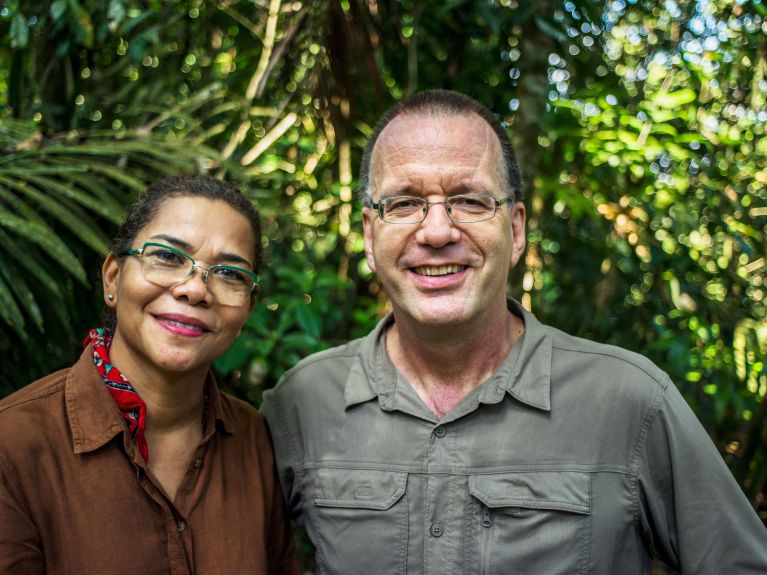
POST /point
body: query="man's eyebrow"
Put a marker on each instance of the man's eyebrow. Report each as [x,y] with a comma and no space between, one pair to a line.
[186,246]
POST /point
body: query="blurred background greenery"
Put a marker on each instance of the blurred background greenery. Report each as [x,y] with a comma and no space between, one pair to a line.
[639,126]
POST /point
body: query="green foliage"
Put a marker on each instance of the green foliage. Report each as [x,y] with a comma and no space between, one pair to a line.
[640,130]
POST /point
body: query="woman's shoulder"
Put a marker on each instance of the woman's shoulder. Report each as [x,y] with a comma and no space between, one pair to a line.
[32,420]
[34,396]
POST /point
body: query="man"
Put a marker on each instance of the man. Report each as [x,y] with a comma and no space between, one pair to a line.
[463,436]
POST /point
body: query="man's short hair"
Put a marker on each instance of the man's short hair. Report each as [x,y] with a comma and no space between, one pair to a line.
[443,103]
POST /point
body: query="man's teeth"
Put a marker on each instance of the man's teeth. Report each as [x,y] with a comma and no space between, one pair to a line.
[439,270]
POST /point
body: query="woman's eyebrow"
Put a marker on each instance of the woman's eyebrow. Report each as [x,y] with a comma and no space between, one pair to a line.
[180,244]
[186,246]
[227,257]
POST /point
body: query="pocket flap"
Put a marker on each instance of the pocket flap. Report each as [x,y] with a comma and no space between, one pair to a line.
[560,490]
[363,488]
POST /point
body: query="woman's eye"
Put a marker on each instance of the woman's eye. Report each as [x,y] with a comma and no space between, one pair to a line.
[165,257]
[231,275]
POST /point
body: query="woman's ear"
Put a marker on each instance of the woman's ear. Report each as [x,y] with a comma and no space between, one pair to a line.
[110,276]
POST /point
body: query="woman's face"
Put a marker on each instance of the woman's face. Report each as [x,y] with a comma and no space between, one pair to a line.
[180,329]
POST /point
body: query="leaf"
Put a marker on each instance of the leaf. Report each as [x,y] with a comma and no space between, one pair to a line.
[676,98]
[23,294]
[19,31]
[308,320]
[84,24]
[48,184]
[68,214]
[551,30]
[9,311]
[58,8]
[234,357]
[47,240]
[29,261]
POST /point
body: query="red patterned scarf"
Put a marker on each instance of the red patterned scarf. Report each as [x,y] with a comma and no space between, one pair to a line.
[131,406]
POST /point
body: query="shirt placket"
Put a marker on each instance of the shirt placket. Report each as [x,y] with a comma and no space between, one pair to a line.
[178,532]
[443,519]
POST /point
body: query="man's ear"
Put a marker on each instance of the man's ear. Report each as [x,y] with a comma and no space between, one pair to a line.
[368,217]
[518,230]
[110,276]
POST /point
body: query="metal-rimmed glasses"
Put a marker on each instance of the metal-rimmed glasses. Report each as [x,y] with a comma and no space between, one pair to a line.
[167,266]
[461,209]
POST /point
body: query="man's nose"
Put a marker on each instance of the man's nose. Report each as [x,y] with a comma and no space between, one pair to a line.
[437,229]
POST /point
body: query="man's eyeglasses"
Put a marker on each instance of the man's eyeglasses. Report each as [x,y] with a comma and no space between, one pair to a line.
[167,266]
[462,209]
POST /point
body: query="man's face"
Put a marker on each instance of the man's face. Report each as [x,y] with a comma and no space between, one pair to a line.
[439,273]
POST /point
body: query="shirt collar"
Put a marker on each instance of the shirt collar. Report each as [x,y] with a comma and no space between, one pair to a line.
[525,374]
[94,418]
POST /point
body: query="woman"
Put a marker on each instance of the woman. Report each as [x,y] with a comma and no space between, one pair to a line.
[132,460]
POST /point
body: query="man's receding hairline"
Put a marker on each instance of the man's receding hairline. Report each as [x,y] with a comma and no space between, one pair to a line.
[447,104]
[435,112]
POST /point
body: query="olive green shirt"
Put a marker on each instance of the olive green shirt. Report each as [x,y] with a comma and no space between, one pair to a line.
[574,457]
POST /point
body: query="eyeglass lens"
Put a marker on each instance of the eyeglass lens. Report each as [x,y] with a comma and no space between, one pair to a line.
[167,267]
[461,209]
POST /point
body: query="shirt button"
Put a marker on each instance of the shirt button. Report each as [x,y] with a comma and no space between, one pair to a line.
[440,431]
[180,526]
[197,462]
[436,530]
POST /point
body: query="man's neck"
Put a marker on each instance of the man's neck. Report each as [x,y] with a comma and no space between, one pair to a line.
[447,364]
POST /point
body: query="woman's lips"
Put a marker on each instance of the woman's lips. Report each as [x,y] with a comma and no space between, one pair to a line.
[182,325]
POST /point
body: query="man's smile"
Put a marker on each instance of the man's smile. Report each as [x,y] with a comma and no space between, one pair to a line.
[438,270]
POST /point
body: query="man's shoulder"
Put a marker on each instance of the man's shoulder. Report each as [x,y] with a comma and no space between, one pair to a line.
[609,358]
[324,367]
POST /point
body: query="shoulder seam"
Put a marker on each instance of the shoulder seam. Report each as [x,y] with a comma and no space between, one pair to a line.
[315,358]
[661,378]
[54,387]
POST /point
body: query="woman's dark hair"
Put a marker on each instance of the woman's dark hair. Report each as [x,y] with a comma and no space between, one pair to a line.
[150,200]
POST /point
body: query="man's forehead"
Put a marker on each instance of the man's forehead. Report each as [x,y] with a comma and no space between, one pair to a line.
[462,148]
[415,128]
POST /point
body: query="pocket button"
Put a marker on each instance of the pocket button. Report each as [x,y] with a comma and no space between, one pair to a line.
[436,530]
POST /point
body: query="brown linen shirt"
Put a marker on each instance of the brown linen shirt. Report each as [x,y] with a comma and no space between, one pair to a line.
[76,497]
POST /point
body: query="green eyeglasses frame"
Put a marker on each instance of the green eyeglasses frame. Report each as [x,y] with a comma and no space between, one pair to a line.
[195,266]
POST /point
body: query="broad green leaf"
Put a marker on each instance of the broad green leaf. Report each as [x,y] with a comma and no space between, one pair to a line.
[57,9]
[21,207]
[76,195]
[43,237]
[551,30]
[234,357]
[676,99]
[29,259]
[10,311]
[82,19]
[71,216]
[308,320]
[23,294]
[19,31]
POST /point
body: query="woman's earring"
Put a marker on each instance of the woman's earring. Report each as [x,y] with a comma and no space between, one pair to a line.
[110,297]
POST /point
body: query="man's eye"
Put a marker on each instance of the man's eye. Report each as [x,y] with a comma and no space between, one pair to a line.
[402,204]
[471,203]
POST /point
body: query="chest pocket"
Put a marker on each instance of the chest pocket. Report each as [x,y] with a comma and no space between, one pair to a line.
[533,522]
[361,519]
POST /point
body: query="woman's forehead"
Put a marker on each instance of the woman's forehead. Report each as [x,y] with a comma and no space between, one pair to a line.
[202,222]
